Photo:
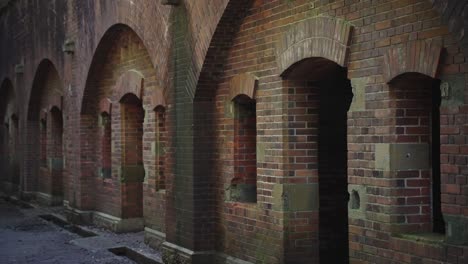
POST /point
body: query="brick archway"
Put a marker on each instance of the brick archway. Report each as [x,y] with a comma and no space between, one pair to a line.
[324,37]
[130,82]
[244,83]
[44,126]
[415,56]
[121,69]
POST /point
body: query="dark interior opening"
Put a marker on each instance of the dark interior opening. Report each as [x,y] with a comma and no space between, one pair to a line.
[437,217]
[132,170]
[419,96]
[334,99]
[244,183]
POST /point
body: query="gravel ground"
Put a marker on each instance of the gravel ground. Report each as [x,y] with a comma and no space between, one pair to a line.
[26,238]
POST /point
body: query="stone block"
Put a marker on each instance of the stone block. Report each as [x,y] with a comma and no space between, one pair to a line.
[132,173]
[400,157]
[359,94]
[295,197]
[260,152]
[457,230]
[452,90]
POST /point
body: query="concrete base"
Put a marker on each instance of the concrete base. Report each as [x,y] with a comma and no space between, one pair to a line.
[48,200]
[222,258]
[154,238]
[113,223]
[173,254]
[116,224]
[77,216]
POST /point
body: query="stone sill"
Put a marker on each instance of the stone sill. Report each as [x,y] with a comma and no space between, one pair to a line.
[436,239]
[242,204]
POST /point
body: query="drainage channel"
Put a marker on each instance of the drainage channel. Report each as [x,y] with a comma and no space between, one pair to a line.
[133,255]
[63,224]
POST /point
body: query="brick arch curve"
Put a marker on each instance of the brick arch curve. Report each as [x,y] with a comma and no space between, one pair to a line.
[415,56]
[131,82]
[46,77]
[319,36]
[107,42]
[244,83]
[46,93]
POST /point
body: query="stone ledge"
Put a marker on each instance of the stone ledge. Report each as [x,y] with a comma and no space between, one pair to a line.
[116,224]
[173,253]
[154,238]
[113,223]
[48,200]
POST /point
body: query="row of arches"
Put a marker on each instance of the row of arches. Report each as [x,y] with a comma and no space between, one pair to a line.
[125,143]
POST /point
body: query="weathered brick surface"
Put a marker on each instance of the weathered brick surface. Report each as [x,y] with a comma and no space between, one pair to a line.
[186,63]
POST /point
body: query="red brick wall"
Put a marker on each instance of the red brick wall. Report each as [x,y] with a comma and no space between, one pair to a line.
[377,27]
[245,41]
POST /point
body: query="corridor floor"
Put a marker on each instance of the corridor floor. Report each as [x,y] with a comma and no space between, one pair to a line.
[27,238]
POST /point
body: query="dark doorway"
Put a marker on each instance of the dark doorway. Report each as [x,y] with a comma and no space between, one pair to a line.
[328,98]
[133,173]
[417,98]
[437,217]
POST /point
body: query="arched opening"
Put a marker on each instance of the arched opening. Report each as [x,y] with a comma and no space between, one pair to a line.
[133,172]
[244,183]
[111,129]
[44,137]
[319,96]
[416,99]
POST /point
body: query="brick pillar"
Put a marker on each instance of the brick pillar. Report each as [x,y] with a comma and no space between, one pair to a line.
[190,209]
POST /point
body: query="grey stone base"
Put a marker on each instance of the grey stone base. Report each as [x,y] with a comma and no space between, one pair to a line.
[48,200]
[222,258]
[76,216]
[154,238]
[115,224]
[173,254]
[456,230]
